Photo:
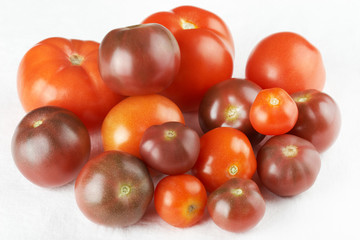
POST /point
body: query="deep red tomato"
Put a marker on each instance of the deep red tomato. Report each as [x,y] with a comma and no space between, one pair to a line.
[206,48]
[224,153]
[319,118]
[50,145]
[180,200]
[273,112]
[65,73]
[237,205]
[286,60]
[125,124]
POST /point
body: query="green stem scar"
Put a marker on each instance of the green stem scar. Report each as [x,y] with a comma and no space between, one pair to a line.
[232,113]
[37,123]
[233,170]
[290,151]
[124,190]
[237,191]
[170,134]
[274,101]
[76,59]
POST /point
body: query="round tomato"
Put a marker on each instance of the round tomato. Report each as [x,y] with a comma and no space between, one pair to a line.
[180,200]
[50,145]
[224,153]
[273,112]
[125,124]
[286,60]
[65,73]
[197,31]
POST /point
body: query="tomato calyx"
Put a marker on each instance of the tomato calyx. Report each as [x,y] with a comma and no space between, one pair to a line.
[290,151]
[185,24]
[124,190]
[76,59]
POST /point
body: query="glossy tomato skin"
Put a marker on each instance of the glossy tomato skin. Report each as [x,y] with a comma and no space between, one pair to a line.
[319,118]
[288,165]
[180,200]
[138,60]
[50,145]
[171,148]
[65,73]
[286,60]
[196,31]
[225,153]
[126,122]
[227,104]
[114,189]
[237,205]
[273,112]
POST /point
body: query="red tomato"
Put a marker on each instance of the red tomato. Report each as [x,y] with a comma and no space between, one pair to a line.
[286,60]
[126,123]
[205,44]
[224,153]
[65,73]
[273,112]
[180,200]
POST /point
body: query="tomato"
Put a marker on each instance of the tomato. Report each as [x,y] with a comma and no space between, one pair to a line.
[237,205]
[227,104]
[50,145]
[224,153]
[319,118]
[126,122]
[197,31]
[273,112]
[286,60]
[288,165]
[138,60]
[114,189]
[171,148]
[180,200]
[65,73]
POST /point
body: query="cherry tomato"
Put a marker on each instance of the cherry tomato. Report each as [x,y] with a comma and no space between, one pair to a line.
[224,153]
[197,31]
[273,112]
[138,60]
[114,189]
[288,165]
[125,124]
[319,118]
[65,73]
[171,148]
[50,145]
[237,205]
[180,200]
[286,60]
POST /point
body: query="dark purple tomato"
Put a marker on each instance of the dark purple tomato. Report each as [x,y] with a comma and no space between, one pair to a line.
[319,118]
[114,189]
[171,148]
[237,205]
[288,165]
[138,60]
[50,145]
[227,104]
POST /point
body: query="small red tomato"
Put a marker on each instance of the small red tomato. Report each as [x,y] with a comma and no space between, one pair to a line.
[273,112]
[237,205]
[224,153]
[180,200]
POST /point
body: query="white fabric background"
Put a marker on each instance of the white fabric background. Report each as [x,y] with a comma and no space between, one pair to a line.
[329,209]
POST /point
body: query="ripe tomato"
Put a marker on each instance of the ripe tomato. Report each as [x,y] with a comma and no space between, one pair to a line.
[197,31]
[125,124]
[224,153]
[273,112]
[180,200]
[286,60]
[65,73]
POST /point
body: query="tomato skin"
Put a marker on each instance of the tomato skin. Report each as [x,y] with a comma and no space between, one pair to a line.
[273,112]
[237,205]
[180,200]
[286,60]
[126,122]
[65,73]
[196,31]
[225,153]
[50,145]
[319,118]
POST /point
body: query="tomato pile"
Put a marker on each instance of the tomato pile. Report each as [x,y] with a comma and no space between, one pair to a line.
[136,86]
